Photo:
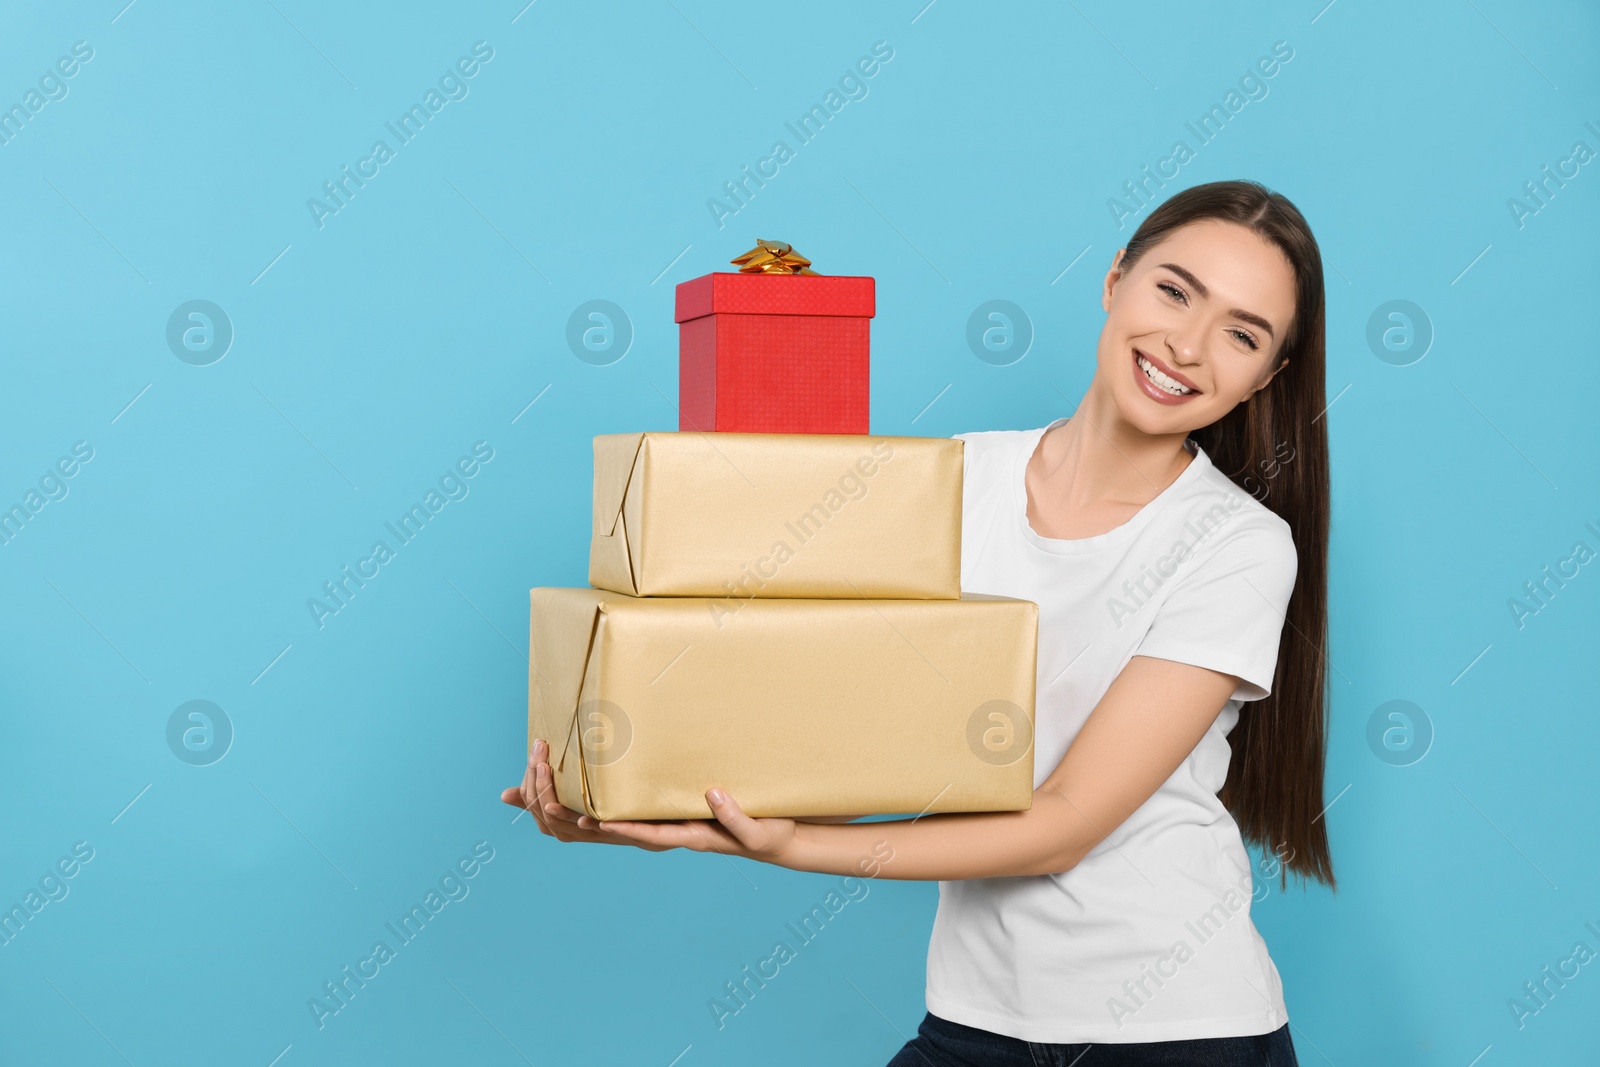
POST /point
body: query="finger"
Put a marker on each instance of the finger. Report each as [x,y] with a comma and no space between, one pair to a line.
[567,825]
[666,835]
[513,795]
[699,836]
[547,806]
[728,813]
[545,793]
[525,794]
[552,809]
[530,797]
[732,818]
[714,837]
[537,795]
[555,819]
[562,822]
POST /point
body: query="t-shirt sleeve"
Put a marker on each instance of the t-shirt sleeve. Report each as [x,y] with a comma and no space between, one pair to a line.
[1228,612]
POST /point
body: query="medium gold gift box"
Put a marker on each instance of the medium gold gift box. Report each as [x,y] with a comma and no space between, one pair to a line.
[794,707]
[777,515]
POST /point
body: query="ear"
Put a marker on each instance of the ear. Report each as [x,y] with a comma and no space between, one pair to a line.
[1271,376]
[1112,276]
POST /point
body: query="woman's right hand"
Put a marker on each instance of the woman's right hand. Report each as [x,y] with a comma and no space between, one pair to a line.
[537,795]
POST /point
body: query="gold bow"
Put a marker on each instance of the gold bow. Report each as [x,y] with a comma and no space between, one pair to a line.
[773,257]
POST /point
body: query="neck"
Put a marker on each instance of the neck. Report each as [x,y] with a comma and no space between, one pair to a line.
[1097,457]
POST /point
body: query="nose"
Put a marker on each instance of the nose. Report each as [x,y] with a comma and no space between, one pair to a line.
[1184,342]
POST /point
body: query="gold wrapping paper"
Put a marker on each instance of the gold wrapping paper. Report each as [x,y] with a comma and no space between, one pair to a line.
[794,707]
[742,515]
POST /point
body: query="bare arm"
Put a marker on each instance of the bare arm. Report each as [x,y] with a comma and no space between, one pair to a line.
[1152,716]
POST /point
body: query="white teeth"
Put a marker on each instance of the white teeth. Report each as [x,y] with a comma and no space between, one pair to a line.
[1171,385]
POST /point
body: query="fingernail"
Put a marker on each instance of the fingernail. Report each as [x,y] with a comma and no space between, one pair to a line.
[717,796]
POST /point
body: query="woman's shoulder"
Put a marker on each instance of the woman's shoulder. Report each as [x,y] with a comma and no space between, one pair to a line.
[995,442]
[1236,518]
[983,437]
[989,456]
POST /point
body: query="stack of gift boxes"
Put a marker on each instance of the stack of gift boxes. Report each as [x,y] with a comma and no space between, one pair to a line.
[775,605]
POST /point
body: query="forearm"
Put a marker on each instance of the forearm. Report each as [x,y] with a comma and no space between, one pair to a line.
[946,847]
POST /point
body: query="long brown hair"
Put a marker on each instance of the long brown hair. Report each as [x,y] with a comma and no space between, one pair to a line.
[1275,446]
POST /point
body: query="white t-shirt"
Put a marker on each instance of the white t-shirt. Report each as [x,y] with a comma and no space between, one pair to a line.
[1149,938]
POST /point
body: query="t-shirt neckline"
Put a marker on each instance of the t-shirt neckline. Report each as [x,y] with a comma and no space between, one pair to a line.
[1116,535]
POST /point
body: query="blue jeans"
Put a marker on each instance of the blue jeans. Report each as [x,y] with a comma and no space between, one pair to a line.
[942,1043]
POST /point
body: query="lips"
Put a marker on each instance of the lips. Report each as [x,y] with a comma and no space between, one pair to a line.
[1164,369]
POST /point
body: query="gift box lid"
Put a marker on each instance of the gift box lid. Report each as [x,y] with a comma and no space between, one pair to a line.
[775,294]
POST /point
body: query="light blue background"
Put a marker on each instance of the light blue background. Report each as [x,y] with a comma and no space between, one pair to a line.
[427,314]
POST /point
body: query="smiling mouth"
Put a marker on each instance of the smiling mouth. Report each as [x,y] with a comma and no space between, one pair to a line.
[1161,381]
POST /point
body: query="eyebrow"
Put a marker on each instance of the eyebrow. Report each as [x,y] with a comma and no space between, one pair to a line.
[1200,288]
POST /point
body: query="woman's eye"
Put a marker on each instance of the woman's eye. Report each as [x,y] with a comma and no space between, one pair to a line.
[1178,295]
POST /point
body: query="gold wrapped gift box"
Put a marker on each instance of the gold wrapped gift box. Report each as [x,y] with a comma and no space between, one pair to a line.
[777,515]
[793,706]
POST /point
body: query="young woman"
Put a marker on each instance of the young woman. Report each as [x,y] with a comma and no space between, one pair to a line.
[1173,531]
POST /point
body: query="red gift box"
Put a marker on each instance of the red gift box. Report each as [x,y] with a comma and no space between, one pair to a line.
[774,353]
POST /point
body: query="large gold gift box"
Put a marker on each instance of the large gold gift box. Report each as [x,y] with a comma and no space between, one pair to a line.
[794,707]
[777,515]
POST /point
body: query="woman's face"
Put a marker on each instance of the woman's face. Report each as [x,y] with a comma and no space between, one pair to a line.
[1207,307]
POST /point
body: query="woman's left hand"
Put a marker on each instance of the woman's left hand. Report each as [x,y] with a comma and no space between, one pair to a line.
[732,832]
